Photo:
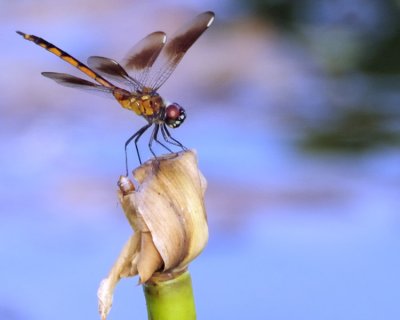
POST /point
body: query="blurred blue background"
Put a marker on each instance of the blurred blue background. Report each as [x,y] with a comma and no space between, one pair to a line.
[293,108]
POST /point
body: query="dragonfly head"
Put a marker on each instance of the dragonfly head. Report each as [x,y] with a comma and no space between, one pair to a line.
[174,115]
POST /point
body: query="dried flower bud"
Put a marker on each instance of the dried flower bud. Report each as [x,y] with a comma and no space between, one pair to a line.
[168,216]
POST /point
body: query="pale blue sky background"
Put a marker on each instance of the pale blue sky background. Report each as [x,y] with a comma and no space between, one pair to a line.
[293,235]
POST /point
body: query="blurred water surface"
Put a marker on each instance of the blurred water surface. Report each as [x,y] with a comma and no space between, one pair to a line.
[296,128]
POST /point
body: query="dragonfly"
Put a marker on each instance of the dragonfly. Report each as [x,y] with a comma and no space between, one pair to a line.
[144,70]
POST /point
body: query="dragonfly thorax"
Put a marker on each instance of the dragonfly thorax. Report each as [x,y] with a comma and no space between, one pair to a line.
[149,105]
[152,107]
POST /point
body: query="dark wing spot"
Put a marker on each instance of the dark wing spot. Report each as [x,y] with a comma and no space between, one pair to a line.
[142,59]
[107,66]
[184,40]
[146,51]
[66,78]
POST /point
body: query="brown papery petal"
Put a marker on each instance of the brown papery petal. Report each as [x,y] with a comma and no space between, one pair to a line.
[170,201]
[149,259]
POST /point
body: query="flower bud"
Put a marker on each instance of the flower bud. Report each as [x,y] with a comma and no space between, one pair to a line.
[167,214]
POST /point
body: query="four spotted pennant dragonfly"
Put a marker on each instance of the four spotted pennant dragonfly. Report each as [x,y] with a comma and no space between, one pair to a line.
[147,66]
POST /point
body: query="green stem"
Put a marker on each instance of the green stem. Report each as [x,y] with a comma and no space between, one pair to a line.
[170,299]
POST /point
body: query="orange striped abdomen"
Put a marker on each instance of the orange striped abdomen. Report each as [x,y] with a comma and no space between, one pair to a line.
[67,58]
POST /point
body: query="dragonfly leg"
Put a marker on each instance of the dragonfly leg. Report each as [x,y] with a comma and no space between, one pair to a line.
[158,141]
[136,136]
[154,137]
[168,138]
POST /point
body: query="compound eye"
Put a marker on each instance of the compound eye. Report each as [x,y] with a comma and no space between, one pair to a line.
[174,115]
[173,110]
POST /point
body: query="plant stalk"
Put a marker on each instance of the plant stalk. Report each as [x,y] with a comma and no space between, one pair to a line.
[170,299]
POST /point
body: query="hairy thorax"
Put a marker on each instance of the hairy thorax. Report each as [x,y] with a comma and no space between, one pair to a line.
[147,104]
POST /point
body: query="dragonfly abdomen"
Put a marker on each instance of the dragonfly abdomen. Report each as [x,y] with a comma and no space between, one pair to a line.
[67,58]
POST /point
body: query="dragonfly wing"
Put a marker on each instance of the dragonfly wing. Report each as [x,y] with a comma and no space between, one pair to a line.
[113,70]
[141,57]
[175,49]
[75,82]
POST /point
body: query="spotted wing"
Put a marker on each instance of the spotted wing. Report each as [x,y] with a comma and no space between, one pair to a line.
[141,57]
[111,69]
[68,80]
[175,49]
